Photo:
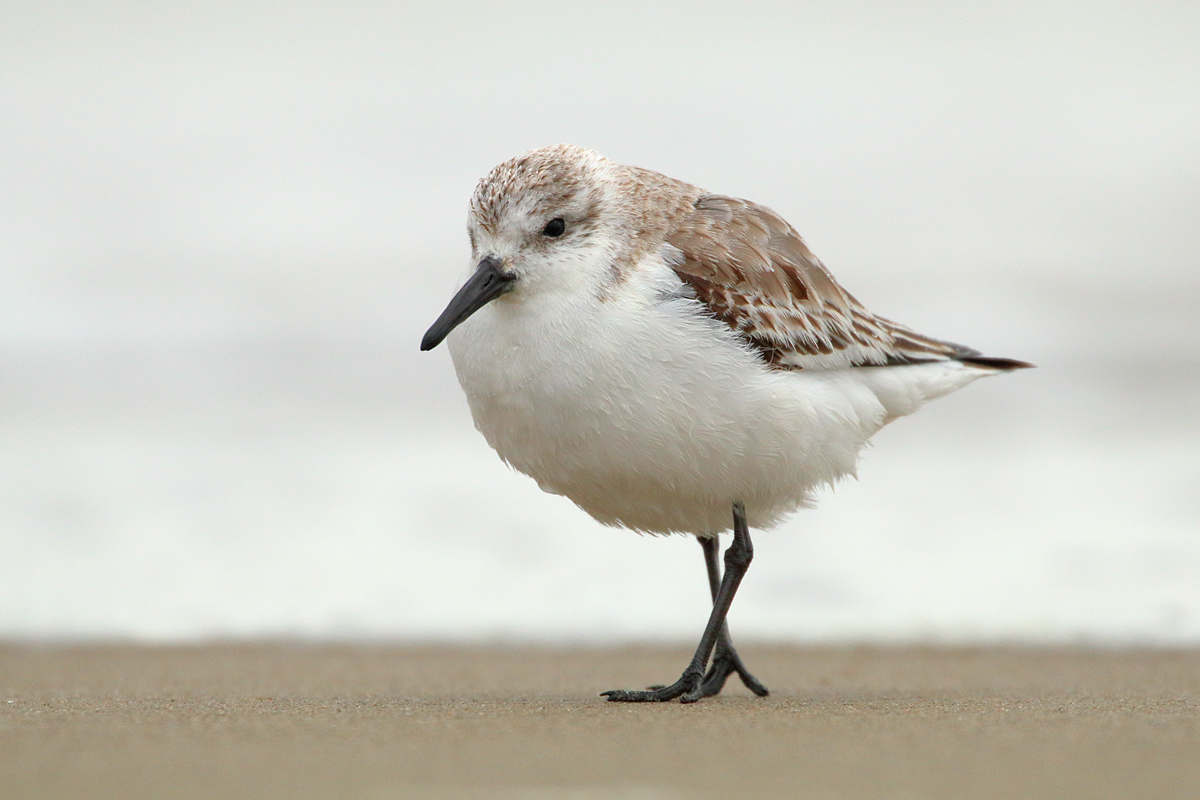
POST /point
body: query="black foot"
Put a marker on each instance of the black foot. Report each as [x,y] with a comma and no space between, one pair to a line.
[694,683]
[725,662]
[687,689]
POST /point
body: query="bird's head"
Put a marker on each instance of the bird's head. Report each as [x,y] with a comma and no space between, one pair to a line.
[544,222]
[560,220]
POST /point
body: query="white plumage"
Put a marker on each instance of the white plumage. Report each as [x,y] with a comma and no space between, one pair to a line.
[658,354]
[626,394]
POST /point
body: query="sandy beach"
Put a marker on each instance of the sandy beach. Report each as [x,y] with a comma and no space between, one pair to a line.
[359,721]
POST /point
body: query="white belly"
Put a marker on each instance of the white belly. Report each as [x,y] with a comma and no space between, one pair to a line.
[650,416]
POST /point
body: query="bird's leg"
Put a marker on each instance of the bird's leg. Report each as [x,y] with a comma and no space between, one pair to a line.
[725,660]
[689,686]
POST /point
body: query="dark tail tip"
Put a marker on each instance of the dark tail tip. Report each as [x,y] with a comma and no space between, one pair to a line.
[1002,364]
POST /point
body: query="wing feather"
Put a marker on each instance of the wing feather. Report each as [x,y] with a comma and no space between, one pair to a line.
[754,272]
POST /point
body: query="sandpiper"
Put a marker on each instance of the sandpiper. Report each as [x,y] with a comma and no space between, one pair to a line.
[673,361]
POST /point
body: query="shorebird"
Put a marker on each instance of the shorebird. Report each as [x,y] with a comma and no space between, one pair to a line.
[673,361]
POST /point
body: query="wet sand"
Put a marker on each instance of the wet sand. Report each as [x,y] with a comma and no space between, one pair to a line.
[350,721]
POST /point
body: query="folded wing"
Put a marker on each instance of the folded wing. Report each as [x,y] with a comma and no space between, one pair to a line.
[754,272]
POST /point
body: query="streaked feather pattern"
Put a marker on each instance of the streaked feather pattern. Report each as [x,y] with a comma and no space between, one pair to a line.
[754,272]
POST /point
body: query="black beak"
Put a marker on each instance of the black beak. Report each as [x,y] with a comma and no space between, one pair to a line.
[488,283]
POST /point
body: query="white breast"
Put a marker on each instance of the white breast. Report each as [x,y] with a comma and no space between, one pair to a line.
[648,414]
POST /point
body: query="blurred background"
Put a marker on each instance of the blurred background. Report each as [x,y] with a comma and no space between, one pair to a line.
[224,227]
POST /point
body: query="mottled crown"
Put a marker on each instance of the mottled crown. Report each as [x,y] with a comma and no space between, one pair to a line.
[545,178]
[640,206]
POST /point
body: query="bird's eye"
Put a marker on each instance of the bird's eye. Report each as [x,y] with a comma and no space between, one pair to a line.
[554,228]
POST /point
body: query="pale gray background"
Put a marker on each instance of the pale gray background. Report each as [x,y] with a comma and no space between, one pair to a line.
[224,226]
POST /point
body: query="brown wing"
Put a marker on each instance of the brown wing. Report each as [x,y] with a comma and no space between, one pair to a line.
[754,272]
